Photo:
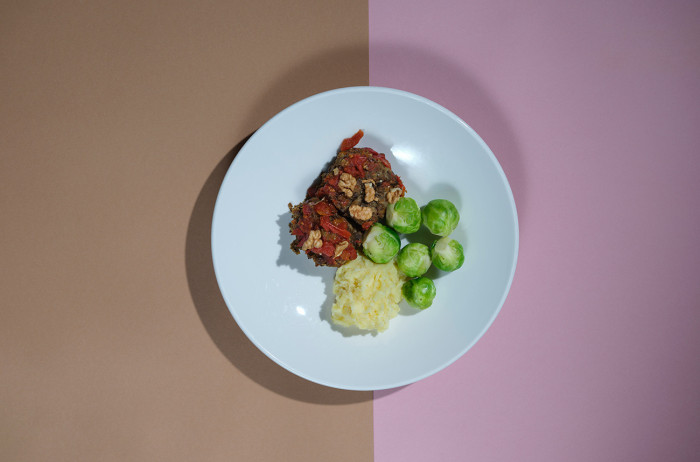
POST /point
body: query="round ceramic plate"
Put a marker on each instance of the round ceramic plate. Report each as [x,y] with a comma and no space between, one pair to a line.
[282,301]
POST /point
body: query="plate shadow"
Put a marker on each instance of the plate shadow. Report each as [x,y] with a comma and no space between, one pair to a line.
[217,320]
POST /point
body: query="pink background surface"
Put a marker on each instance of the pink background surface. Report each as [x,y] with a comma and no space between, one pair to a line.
[593,110]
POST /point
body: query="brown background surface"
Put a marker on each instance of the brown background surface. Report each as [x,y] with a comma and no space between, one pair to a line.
[117,124]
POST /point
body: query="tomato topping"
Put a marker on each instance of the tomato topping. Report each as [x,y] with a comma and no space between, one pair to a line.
[349,143]
[306,210]
[327,249]
[325,191]
[351,170]
[358,162]
[373,151]
[329,226]
[333,180]
[350,253]
[324,208]
[367,224]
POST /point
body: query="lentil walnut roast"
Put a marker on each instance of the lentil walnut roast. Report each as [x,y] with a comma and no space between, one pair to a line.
[346,199]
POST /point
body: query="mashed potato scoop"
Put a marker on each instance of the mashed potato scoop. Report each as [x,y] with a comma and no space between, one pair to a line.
[367,294]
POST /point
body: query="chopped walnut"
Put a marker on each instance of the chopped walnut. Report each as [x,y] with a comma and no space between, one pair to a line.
[313,241]
[369,191]
[393,195]
[340,247]
[347,183]
[335,171]
[359,212]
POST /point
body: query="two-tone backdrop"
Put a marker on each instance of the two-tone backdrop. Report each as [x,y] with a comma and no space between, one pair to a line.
[118,121]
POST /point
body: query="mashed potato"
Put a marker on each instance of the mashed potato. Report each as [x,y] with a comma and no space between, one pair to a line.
[367,294]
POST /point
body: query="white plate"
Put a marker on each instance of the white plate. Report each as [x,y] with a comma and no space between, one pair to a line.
[282,301]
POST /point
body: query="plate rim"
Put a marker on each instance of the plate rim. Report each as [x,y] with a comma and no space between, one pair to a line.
[511,202]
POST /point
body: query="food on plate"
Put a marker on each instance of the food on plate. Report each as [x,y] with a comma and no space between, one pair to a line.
[447,254]
[440,216]
[359,182]
[419,292]
[359,185]
[381,243]
[404,215]
[326,237]
[367,294]
[351,218]
[414,259]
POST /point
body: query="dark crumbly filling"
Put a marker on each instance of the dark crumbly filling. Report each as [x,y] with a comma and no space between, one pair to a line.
[327,238]
[346,199]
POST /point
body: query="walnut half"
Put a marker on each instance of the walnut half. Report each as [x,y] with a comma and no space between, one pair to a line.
[359,212]
[347,183]
[340,247]
[393,195]
[313,241]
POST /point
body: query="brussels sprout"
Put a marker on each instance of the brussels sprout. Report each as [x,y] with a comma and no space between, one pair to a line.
[447,254]
[419,292]
[440,216]
[381,243]
[414,259]
[404,215]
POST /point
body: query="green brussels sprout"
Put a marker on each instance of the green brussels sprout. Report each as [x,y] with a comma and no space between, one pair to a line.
[404,215]
[414,260]
[440,216]
[419,292]
[381,243]
[447,254]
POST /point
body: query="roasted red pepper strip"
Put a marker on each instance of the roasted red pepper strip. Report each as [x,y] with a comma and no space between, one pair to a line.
[350,253]
[351,170]
[328,226]
[306,210]
[333,180]
[327,249]
[324,208]
[358,162]
[349,143]
[325,191]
